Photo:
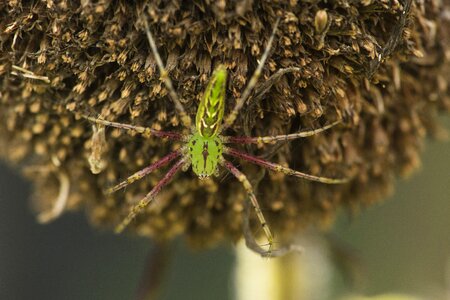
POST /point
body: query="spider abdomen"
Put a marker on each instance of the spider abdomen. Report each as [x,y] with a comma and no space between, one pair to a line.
[210,111]
[205,154]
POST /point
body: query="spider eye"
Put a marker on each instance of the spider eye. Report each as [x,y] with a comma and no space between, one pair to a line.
[202,176]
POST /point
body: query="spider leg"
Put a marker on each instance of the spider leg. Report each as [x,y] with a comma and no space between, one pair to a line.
[275,138]
[185,119]
[229,120]
[248,188]
[251,243]
[145,171]
[146,131]
[151,195]
[264,87]
[279,168]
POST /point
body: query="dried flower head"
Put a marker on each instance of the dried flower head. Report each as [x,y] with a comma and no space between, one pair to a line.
[381,66]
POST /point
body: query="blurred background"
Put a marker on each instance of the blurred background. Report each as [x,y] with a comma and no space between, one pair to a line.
[401,245]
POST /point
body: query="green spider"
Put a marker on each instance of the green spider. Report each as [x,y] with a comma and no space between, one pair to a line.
[205,146]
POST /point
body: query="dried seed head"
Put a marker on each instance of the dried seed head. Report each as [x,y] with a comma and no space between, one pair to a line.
[387,91]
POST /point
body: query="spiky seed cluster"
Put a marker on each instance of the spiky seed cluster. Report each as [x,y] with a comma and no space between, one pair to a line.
[63,57]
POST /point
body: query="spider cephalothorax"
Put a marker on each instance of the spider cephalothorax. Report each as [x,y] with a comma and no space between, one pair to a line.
[203,149]
[205,154]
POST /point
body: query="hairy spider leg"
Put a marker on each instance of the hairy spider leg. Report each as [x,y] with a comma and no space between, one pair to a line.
[248,188]
[251,243]
[275,138]
[145,131]
[279,168]
[185,119]
[151,195]
[145,171]
[229,120]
